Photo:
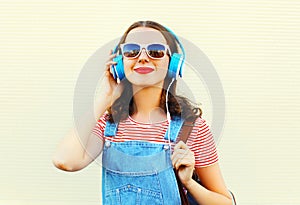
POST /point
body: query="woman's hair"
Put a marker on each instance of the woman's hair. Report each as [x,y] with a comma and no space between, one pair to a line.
[178,105]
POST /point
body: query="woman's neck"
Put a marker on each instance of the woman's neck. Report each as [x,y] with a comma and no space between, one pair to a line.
[147,101]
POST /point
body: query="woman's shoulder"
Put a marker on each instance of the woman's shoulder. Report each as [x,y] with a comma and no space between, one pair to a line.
[199,121]
[200,125]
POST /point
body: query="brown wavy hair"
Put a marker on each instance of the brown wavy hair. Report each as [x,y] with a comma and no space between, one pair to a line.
[178,105]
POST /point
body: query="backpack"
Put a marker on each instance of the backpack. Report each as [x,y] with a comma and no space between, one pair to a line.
[187,198]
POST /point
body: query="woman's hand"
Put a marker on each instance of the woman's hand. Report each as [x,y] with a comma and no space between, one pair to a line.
[111,88]
[183,161]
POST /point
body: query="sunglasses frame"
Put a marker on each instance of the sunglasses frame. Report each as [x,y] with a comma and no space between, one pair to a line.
[144,46]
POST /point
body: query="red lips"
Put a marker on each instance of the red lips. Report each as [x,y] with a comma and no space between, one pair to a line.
[143,70]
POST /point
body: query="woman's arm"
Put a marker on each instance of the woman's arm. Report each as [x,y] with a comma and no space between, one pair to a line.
[80,146]
[213,190]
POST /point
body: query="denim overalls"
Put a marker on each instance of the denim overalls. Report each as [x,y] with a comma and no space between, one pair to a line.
[138,172]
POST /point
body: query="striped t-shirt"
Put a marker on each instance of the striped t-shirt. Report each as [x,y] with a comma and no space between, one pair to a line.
[200,141]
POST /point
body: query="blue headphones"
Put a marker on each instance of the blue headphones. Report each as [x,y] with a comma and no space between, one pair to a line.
[175,65]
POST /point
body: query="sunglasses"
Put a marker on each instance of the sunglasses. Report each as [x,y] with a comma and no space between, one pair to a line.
[153,50]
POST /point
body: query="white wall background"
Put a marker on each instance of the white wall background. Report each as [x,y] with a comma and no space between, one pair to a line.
[254,46]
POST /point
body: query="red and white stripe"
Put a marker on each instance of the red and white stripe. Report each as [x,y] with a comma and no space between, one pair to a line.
[201,140]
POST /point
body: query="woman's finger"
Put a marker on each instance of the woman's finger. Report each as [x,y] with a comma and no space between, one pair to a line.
[183,157]
[179,152]
[186,162]
[108,63]
[180,145]
[111,54]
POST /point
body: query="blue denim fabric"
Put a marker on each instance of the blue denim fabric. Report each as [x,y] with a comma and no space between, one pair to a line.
[139,173]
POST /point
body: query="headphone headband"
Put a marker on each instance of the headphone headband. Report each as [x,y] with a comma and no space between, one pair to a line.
[178,41]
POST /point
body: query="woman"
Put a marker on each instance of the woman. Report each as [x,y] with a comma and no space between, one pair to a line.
[139,119]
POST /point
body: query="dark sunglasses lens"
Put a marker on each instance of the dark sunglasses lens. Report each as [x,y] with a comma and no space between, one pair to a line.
[156,50]
[131,50]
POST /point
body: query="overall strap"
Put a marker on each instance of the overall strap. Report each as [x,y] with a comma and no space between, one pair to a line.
[110,129]
[174,128]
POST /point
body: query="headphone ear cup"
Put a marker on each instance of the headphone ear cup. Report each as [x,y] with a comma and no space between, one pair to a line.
[118,69]
[175,65]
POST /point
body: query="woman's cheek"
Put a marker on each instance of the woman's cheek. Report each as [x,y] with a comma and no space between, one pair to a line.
[128,66]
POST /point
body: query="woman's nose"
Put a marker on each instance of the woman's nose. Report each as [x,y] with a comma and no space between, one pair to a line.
[143,56]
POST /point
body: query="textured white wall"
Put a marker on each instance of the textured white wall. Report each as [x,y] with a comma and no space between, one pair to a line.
[254,46]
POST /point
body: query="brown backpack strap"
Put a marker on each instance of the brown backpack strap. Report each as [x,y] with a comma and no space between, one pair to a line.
[186,130]
[184,134]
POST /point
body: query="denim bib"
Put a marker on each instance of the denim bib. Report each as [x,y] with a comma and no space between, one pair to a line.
[138,172]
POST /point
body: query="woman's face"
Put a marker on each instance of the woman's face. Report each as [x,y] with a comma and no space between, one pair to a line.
[144,71]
